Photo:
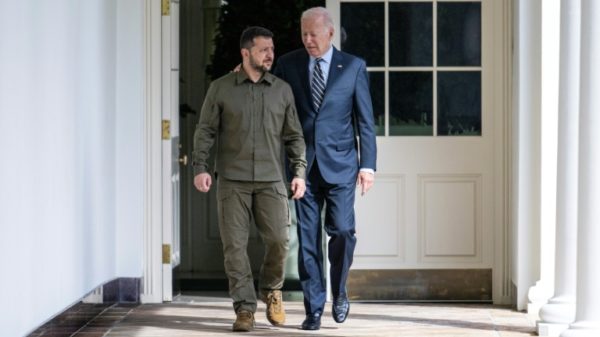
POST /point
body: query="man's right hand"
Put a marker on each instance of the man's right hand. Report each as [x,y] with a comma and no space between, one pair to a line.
[202,182]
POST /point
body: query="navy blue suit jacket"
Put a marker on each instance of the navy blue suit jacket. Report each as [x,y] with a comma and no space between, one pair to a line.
[343,127]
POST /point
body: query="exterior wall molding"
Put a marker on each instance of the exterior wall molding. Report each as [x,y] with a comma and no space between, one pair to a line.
[503,33]
[152,233]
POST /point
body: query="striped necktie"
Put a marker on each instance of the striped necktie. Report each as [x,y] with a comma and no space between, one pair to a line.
[317,85]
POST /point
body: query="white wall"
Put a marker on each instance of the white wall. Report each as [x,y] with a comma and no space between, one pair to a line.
[70,147]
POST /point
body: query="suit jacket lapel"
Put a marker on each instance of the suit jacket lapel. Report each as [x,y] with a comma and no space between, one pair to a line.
[335,70]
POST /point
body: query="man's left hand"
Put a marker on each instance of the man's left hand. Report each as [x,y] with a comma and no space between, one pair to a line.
[298,187]
[365,181]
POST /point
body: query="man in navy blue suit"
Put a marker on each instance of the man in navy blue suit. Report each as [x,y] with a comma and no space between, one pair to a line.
[333,101]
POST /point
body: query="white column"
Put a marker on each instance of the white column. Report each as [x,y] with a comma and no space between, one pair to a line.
[587,316]
[527,156]
[560,310]
[544,288]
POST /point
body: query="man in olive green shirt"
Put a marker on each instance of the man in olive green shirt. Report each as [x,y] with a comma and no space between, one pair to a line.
[251,114]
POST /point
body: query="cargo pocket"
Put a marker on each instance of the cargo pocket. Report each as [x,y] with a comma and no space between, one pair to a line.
[225,204]
[283,195]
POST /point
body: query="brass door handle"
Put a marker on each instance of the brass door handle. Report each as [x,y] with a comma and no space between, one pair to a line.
[183,160]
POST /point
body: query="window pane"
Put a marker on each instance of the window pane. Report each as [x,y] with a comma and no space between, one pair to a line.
[459,34]
[411,96]
[411,34]
[377,86]
[362,31]
[459,103]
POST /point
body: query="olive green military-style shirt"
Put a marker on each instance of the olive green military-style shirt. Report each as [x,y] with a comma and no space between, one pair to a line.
[250,122]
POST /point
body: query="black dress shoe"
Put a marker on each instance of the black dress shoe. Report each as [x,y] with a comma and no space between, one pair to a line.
[312,322]
[340,309]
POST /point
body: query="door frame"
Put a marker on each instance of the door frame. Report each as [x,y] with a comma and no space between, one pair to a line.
[170,144]
[156,285]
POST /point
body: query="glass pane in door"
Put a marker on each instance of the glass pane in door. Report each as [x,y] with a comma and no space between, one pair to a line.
[459,103]
[377,87]
[411,103]
[459,34]
[411,34]
[362,31]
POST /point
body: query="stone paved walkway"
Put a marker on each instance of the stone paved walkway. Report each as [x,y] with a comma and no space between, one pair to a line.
[213,316]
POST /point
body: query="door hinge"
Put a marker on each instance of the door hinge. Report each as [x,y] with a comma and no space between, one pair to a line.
[166,254]
[166,129]
[166,7]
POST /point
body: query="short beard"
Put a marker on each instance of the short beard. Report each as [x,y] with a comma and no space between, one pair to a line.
[261,68]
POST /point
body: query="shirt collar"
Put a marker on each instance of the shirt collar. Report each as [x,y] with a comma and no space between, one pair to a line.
[242,76]
[325,57]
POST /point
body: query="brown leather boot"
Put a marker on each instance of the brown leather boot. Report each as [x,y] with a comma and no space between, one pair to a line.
[275,310]
[244,321]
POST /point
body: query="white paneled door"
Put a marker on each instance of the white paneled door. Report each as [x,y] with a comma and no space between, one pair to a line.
[438,76]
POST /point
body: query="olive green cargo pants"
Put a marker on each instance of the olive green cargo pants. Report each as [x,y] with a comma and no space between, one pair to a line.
[238,203]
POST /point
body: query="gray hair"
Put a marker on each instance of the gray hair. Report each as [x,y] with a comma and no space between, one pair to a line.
[318,12]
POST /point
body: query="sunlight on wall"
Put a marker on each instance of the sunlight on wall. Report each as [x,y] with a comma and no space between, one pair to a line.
[61,155]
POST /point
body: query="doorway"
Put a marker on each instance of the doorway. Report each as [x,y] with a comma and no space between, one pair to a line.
[201,268]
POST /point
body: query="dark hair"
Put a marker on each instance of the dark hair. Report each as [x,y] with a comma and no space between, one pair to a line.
[248,35]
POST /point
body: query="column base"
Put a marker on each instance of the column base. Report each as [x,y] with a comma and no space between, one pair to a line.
[538,296]
[533,310]
[581,333]
[582,329]
[551,329]
[559,310]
